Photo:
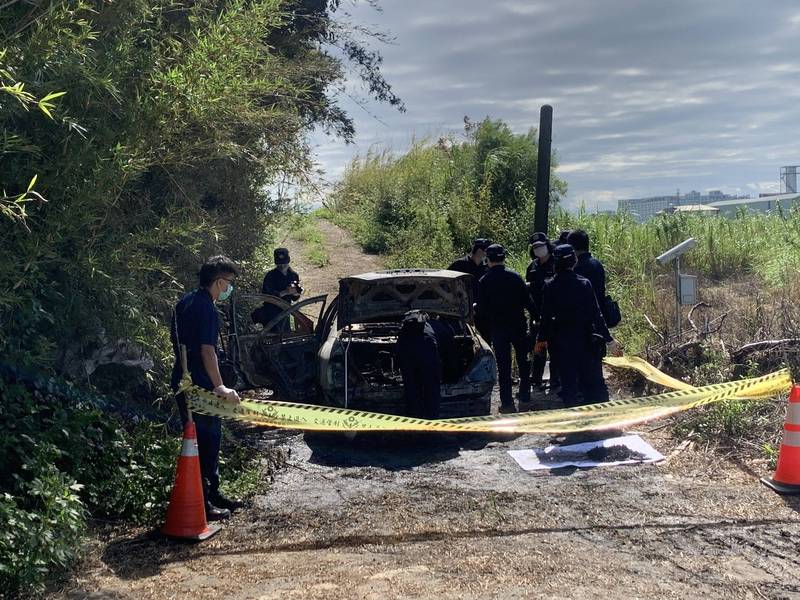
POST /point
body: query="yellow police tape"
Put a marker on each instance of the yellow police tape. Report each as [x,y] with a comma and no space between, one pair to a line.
[607,415]
[656,376]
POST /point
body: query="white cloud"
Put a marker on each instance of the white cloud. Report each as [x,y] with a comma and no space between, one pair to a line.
[647,97]
[630,72]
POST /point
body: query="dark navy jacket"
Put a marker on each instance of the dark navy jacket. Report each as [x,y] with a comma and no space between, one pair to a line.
[197,323]
[275,282]
[536,275]
[570,313]
[592,269]
[466,265]
[502,300]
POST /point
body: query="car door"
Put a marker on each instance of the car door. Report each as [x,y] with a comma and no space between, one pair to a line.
[280,350]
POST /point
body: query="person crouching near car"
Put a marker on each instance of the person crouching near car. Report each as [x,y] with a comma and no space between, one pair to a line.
[195,326]
[420,366]
[573,330]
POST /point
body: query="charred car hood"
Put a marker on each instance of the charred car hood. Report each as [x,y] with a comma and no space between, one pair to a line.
[390,294]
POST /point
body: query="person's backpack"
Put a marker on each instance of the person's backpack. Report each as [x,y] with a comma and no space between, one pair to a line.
[611,312]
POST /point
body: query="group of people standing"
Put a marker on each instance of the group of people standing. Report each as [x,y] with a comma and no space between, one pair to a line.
[564,296]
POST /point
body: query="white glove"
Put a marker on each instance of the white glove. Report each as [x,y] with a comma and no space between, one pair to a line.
[227,393]
[614,348]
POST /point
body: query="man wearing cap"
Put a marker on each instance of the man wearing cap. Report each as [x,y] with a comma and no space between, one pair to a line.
[573,329]
[195,327]
[502,301]
[420,367]
[588,266]
[474,262]
[283,282]
[541,268]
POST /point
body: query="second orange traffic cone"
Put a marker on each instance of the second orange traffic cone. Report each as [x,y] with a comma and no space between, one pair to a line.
[787,474]
[186,515]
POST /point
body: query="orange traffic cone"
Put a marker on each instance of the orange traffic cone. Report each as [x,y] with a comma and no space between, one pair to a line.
[186,515]
[787,473]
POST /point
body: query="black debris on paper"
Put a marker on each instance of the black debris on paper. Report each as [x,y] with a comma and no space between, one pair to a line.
[614,453]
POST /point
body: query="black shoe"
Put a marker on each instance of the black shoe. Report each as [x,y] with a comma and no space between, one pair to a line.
[216,514]
[507,408]
[226,503]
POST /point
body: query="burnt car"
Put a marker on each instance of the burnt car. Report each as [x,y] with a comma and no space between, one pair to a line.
[306,351]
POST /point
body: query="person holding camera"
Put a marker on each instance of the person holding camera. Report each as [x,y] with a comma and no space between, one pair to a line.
[282,282]
[574,331]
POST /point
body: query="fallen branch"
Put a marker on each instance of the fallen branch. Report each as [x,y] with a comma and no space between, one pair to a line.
[738,356]
[654,328]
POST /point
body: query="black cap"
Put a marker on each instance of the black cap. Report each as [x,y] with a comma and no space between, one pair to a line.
[495,253]
[538,239]
[281,256]
[481,244]
[563,251]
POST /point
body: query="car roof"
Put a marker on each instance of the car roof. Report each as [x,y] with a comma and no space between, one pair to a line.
[407,273]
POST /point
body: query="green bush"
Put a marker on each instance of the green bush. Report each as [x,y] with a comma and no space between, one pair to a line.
[423,207]
[63,460]
[41,525]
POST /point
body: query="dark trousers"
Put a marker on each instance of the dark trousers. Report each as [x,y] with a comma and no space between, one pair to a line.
[502,342]
[539,361]
[209,438]
[420,369]
[580,371]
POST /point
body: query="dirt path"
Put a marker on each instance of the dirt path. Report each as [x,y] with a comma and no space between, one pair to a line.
[346,258]
[454,517]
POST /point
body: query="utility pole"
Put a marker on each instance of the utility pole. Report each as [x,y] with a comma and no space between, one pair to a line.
[543,169]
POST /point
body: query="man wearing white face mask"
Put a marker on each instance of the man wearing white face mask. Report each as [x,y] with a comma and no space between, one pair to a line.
[540,270]
[195,326]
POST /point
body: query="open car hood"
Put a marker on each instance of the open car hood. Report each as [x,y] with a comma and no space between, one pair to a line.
[390,294]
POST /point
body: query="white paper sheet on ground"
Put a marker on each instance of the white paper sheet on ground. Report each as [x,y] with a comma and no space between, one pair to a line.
[556,457]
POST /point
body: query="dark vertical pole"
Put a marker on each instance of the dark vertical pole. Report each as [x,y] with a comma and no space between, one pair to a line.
[543,169]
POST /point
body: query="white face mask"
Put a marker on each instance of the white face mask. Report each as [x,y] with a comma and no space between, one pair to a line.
[540,251]
[284,268]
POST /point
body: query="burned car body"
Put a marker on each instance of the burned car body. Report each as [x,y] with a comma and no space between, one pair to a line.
[354,340]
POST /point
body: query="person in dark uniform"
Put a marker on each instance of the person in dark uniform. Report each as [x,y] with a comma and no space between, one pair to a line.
[562,237]
[448,352]
[474,262]
[283,282]
[195,326]
[541,269]
[588,266]
[420,367]
[503,299]
[575,332]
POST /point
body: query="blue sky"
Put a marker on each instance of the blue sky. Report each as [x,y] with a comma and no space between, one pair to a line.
[648,96]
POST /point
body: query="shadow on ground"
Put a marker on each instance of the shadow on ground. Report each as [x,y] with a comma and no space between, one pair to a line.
[393,451]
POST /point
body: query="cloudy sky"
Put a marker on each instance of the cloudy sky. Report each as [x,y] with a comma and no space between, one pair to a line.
[649,96]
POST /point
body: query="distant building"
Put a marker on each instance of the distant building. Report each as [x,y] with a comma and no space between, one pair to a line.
[789,179]
[730,208]
[643,209]
[697,209]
